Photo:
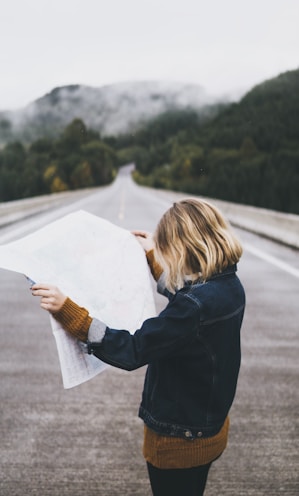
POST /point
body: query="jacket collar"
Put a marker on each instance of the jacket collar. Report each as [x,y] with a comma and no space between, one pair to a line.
[231,269]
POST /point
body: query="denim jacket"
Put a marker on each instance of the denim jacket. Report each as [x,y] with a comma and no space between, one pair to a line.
[192,349]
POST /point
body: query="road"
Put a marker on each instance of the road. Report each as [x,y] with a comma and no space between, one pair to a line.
[87,440]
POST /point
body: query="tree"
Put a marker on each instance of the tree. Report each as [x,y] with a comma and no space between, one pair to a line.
[13,157]
[101,159]
[73,137]
[248,148]
[53,180]
[81,176]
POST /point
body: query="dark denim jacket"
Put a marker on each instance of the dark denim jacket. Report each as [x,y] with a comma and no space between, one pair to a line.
[193,354]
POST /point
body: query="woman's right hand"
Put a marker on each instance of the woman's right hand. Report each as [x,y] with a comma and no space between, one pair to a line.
[52,299]
[145,239]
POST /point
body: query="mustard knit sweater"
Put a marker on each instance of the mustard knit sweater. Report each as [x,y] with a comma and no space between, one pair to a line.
[161,451]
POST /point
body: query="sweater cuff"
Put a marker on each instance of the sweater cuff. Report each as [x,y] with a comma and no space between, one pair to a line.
[74,319]
[155,268]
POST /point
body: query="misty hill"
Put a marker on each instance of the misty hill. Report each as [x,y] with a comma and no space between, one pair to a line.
[109,109]
[268,115]
[248,153]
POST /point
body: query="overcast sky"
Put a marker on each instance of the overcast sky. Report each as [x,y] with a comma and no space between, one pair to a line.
[226,46]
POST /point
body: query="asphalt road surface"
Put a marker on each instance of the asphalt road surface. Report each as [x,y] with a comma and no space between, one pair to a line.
[87,440]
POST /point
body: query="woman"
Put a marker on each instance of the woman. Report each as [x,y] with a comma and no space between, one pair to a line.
[192,348]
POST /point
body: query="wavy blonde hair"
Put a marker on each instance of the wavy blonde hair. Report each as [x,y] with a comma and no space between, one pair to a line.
[193,239]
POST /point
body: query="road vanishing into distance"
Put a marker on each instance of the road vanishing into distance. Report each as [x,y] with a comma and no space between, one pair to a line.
[87,440]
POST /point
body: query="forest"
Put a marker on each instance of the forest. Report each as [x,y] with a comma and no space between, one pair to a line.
[246,152]
[78,159]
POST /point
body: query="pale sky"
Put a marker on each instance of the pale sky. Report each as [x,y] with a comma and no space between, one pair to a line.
[226,46]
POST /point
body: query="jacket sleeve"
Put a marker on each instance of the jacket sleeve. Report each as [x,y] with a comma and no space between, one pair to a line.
[158,337]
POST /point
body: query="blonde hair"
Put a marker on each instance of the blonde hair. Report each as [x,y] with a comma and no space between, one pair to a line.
[193,239]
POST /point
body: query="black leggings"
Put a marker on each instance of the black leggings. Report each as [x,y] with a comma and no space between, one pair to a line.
[178,482]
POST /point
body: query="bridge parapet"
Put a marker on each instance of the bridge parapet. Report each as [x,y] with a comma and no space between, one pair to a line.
[278,226]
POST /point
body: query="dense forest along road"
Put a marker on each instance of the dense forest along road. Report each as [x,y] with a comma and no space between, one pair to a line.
[87,440]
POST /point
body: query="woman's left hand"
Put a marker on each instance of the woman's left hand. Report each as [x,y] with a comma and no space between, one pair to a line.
[52,298]
[145,239]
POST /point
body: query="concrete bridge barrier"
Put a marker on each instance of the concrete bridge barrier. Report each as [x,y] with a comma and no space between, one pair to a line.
[12,211]
[279,226]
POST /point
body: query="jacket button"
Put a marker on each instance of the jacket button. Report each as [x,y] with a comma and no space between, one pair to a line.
[199,434]
[188,434]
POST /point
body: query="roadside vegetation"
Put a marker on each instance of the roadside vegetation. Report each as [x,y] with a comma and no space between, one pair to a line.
[247,152]
[78,159]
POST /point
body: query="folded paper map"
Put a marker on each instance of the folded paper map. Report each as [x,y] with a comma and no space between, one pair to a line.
[100,266]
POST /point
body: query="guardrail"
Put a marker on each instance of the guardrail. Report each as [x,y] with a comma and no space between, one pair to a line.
[278,226]
[13,211]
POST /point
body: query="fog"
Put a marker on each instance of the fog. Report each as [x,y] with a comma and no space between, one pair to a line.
[225,47]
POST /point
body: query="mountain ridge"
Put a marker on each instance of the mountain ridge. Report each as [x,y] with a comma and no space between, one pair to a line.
[110,109]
